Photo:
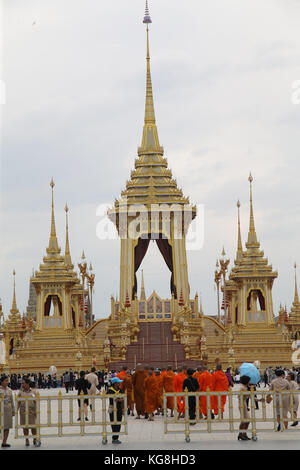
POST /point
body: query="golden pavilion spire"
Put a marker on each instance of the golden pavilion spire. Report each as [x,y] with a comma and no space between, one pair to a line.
[150,141]
[252,238]
[143,293]
[239,244]
[14,309]
[68,260]
[53,247]
[296,297]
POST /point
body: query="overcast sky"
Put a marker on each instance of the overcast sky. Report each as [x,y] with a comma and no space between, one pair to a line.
[222,72]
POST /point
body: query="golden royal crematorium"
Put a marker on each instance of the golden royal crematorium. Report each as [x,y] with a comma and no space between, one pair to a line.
[59,328]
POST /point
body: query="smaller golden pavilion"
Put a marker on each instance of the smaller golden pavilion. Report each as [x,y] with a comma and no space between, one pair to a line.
[58,334]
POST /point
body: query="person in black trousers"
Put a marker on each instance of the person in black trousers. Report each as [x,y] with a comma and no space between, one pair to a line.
[192,385]
[82,385]
[115,390]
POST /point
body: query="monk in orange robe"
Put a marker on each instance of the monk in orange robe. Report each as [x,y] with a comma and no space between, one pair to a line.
[178,386]
[138,380]
[159,390]
[163,371]
[150,395]
[219,384]
[168,384]
[198,372]
[205,385]
[128,389]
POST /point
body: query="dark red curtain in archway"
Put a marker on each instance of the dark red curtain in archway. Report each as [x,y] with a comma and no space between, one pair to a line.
[139,253]
[167,253]
[47,306]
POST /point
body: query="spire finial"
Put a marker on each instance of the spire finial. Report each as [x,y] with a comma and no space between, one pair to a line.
[14,308]
[252,239]
[143,293]
[296,297]
[239,245]
[68,260]
[150,141]
[83,255]
[53,244]
[147,18]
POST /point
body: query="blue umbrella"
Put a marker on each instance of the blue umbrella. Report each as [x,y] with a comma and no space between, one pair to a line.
[252,372]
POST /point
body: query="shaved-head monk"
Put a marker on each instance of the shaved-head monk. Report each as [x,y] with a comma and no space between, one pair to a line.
[150,395]
[168,384]
[219,384]
[205,385]
[138,380]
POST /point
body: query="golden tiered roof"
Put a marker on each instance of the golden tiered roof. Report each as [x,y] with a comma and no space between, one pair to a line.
[151,181]
[56,267]
[250,262]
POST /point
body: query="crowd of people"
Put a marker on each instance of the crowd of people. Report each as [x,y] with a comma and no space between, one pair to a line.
[144,388]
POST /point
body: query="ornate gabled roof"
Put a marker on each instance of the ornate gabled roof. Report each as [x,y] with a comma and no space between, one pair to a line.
[54,267]
[151,181]
[251,262]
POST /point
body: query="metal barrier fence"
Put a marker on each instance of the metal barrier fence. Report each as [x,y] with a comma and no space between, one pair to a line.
[199,408]
[47,416]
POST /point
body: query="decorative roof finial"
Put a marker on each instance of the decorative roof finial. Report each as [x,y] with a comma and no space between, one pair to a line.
[150,141]
[239,246]
[14,308]
[68,260]
[252,239]
[147,18]
[296,297]
[53,244]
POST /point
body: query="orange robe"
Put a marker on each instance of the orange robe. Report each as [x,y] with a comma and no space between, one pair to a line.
[159,390]
[168,384]
[205,382]
[138,380]
[178,386]
[150,394]
[128,389]
[219,384]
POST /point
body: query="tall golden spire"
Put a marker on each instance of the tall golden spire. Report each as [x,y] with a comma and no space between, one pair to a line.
[143,293]
[150,141]
[14,309]
[252,238]
[68,260]
[296,297]
[53,244]
[239,244]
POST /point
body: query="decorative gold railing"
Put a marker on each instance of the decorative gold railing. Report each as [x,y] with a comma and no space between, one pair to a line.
[50,421]
[266,420]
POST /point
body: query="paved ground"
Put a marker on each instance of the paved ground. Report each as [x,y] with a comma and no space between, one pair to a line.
[146,435]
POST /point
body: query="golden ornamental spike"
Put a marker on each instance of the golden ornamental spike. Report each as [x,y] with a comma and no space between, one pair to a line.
[83,255]
[52,184]
[66,208]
